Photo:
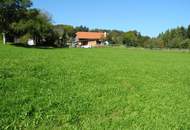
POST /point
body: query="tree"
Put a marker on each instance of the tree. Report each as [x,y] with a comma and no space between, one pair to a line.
[130,38]
[37,25]
[142,41]
[175,42]
[185,44]
[188,31]
[11,11]
[154,43]
[82,29]
[174,37]
[67,30]
[65,38]
[115,37]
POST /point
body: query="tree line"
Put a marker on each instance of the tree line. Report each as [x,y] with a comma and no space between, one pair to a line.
[173,38]
[176,38]
[20,22]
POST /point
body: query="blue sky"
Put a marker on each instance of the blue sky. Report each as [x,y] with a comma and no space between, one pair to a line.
[150,17]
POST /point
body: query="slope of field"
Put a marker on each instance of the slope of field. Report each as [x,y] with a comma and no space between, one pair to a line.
[94,89]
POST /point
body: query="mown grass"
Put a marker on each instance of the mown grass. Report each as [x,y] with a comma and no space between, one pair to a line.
[94,89]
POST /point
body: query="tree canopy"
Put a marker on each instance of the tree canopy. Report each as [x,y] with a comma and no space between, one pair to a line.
[12,11]
[175,38]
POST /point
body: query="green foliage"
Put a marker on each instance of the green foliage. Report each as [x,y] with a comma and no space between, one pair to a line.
[154,43]
[61,29]
[38,25]
[173,38]
[82,29]
[188,31]
[12,11]
[50,37]
[131,38]
[1,37]
[185,44]
[24,38]
[18,20]
[91,89]
[175,42]
[143,40]
[66,33]
[115,37]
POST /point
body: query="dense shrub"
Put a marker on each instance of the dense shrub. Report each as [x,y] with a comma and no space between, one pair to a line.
[185,44]
[50,38]
[154,43]
[24,39]
[174,43]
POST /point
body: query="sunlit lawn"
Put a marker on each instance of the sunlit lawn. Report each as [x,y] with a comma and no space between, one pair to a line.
[92,89]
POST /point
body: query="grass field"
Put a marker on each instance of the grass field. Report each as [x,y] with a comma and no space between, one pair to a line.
[94,89]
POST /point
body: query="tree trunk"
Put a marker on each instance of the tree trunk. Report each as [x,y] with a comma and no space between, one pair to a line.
[4,38]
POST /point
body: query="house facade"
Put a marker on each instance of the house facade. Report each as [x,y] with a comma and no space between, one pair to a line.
[90,39]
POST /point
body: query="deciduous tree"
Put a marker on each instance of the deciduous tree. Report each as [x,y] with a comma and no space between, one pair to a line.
[12,11]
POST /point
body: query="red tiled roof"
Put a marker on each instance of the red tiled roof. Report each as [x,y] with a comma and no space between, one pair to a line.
[90,35]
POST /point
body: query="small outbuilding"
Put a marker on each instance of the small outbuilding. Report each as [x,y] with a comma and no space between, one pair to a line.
[90,39]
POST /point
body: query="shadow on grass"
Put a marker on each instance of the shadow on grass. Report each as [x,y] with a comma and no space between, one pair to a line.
[36,46]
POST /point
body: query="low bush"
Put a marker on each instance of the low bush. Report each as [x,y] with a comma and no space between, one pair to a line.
[185,43]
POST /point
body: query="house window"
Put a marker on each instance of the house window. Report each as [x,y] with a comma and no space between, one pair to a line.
[98,42]
[84,43]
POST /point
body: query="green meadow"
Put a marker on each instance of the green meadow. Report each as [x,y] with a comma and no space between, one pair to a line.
[94,89]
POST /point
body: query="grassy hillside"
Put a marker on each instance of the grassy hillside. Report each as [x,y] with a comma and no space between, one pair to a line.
[94,89]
